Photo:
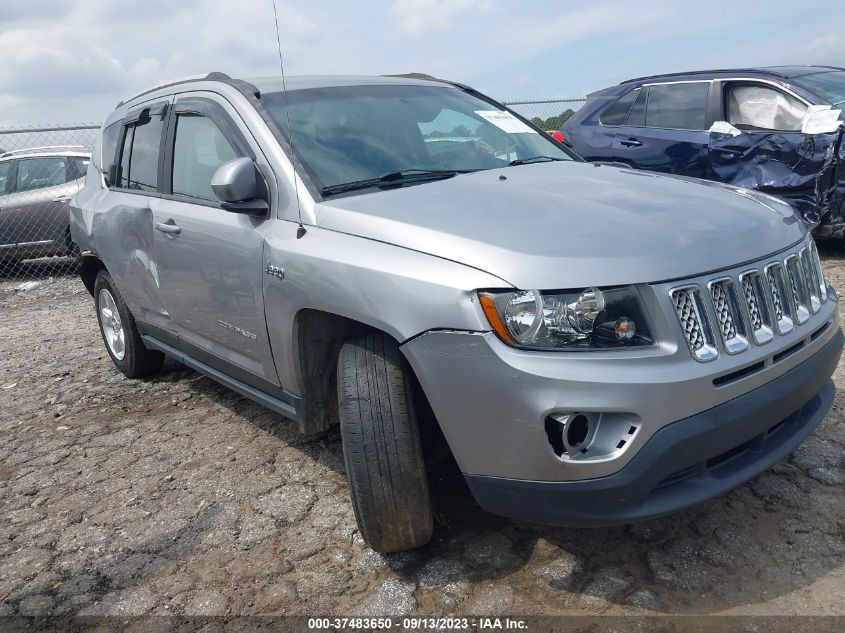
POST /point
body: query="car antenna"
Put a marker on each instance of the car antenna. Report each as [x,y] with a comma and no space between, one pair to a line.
[301,230]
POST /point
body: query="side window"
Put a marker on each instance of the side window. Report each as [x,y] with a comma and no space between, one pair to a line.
[760,107]
[198,150]
[5,171]
[681,106]
[77,167]
[111,135]
[125,152]
[37,173]
[636,117]
[140,153]
[617,113]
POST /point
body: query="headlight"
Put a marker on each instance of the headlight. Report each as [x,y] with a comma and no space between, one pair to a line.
[591,318]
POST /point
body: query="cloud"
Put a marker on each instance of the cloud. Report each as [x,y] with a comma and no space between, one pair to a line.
[418,16]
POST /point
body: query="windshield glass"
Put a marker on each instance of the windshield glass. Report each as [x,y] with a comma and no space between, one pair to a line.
[354,133]
[828,86]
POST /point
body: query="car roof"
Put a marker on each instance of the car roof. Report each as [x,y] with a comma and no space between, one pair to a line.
[784,72]
[40,152]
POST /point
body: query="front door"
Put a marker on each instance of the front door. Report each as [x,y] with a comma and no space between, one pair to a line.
[211,260]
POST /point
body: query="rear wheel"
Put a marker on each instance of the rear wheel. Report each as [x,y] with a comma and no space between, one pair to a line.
[119,332]
[381,444]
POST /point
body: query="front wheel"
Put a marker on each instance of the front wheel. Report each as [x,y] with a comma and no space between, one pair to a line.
[381,444]
[119,332]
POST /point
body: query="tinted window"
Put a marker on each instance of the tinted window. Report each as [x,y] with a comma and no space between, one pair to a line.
[677,106]
[37,173]
[199,149]
[109,147]
[637,116]
[125,153]
[143,163]
[5,168]
[139,155]
[617,113]
[77,166]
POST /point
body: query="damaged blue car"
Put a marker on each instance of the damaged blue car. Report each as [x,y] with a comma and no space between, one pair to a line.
[777,130]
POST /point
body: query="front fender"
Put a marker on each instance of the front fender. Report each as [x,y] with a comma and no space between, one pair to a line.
[396,290]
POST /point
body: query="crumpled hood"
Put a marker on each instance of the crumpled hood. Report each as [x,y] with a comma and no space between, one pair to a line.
[568,225]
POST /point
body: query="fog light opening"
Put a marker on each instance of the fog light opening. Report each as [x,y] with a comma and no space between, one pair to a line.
[577,432]
[554,431]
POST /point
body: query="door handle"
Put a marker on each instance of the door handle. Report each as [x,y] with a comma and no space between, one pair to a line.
[62,199]
[630,142]
[169,226]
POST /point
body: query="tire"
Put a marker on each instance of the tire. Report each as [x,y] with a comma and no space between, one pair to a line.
[128,354]
[381,444]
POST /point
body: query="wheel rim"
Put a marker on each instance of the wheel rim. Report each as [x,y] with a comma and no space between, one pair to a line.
[111,325]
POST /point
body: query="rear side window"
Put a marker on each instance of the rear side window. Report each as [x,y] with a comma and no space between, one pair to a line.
[5,170]
[38,173]
[109,149]
[681,106]
[617,113]
[198,150]
[140,153]
[77,167]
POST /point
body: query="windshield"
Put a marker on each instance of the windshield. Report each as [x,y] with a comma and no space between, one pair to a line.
[829,86]
[355,133]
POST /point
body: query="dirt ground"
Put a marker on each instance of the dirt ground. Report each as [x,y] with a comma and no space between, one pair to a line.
[177,496]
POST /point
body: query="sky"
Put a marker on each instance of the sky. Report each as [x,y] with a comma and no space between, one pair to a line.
[71,61]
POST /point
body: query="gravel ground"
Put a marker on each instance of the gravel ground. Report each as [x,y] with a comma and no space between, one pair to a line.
[177,496]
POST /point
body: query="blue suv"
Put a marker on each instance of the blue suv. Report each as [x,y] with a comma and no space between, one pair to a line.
[663,123]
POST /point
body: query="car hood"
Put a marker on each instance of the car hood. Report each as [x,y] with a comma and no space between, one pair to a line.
[567,225]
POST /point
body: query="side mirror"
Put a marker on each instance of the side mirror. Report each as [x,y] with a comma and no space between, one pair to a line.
[239,187]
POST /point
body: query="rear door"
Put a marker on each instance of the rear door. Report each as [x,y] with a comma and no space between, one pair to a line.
[666,129]
[211,260]
[125,217]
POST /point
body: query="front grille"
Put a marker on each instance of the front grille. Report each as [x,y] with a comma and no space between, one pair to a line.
[689,318]
[728,315]
[754,294]
[798,284]
[690,311]
[773,298]
[723,311]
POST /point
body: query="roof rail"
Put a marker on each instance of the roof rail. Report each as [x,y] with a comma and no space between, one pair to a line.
[772,70]
[212,76]
[700,72]
[46,148]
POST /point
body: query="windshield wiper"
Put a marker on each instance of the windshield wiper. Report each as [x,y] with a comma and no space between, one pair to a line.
[533,159]
[399,177]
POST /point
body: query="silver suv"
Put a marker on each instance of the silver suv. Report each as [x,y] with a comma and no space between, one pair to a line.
[36,185]
[405,256]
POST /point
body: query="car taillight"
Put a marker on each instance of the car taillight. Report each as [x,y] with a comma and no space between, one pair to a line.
[556,135]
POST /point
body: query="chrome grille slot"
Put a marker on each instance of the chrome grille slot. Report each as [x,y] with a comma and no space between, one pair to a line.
[798,286]
[780,300]
[758,308]
[691,315]
[817,264]
[812,283]
[728,316]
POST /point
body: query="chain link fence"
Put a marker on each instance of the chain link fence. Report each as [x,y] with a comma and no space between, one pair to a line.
[548,114]
[41,168]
